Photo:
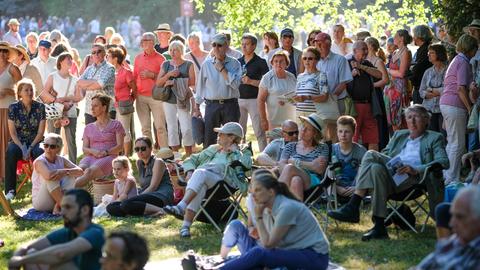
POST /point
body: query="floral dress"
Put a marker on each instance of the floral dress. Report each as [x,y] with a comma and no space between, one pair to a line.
[396,97]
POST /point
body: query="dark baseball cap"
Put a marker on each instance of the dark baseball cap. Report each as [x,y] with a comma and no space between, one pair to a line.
[45,43]
[286,32]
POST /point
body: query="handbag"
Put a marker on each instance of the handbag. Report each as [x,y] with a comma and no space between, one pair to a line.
[164,93]
[328,110]
[473,119]
[125,107]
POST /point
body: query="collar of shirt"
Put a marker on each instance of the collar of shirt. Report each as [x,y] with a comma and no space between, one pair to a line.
[329,56]
[461,55]
[242,59]
[100,65]
[225,61]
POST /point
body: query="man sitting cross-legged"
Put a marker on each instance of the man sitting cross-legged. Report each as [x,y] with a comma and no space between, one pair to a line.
[76,246]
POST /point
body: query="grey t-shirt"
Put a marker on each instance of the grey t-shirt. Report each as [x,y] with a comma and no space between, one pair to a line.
[350,163]
[304,231]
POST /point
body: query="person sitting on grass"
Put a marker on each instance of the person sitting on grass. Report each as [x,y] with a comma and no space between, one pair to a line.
[205,169]
[302,163]
[289,234]
[416,148]
[52,175]
[125,186]
[271,154]
[124,250]
[349,154]
[156,190]
[78,245]
[462,249]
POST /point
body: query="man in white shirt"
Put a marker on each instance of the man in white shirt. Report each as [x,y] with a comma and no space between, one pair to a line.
[341,45]
[12,36]
[44,62]
[418,148]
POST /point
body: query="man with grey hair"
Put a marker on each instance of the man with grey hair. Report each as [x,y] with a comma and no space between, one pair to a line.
[145,71]
[462,249]
[415,149]
[361,89]
[217,85]
[271,154]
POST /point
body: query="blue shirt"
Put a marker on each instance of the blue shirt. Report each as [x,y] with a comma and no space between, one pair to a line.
[338,71]
[210,82]
[26,123]
[350,163]
[94,234]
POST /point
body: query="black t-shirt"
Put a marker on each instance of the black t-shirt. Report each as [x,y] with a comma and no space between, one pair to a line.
[361,87]
[160,50]
[255,69]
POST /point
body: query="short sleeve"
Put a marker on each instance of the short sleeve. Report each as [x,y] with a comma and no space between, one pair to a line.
[129,76]
[94,236]
[288,151]
[264,81]
[271,148]
[107,76]
[322,150]
[42,114]
[463,74]
[285,216]
[119,128]
[58,236]
[11,112]
[345,75]
[88,131]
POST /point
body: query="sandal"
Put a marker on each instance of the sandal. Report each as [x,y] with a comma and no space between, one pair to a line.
[174,210]
[185,232]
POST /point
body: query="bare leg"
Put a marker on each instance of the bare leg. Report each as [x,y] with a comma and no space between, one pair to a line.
[189,215]
[57,195]
[373,146]
[296,179]
[90,174]
[189,196]
[151,209]
[127,148]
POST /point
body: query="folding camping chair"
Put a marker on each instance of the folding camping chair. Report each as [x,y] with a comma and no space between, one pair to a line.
[325,191]
[417,194]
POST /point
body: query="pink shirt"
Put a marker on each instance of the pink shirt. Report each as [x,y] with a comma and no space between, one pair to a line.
[122,90]
[103,139]
[459,73]
[151,62]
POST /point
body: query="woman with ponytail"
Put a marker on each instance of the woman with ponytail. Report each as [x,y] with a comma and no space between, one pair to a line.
[377,57]
[288,234]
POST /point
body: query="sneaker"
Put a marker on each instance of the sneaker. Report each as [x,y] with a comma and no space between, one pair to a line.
[10,195]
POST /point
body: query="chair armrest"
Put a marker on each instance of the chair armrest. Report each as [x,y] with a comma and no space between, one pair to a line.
[435,167]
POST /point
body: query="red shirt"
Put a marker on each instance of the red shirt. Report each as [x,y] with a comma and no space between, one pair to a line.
[151,62]
[122,90]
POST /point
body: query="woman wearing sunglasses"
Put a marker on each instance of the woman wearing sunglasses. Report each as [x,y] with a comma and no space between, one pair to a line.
[156,190]
[52,175]
[102,142]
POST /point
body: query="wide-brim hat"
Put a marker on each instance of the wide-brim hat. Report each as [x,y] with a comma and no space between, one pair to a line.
[5,45]
[315,120]
[13,21]
[166,153]
[163,27]
[233,128]
[22,50]
[475,24]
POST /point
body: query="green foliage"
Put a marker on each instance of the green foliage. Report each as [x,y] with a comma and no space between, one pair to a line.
[457,14]
[258,16]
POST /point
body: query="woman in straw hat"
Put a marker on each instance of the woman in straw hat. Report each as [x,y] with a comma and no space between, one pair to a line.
[303,163]
[29,71]
[9,76]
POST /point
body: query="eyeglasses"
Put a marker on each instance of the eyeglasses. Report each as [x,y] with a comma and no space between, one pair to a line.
[97,52]
[308,58]
[141,148]
[51,146]
[290,133]
[217,45]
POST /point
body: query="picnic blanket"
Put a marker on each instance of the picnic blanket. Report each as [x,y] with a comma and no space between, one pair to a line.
[32,214]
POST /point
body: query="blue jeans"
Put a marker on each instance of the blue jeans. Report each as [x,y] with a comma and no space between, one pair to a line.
[14,154]
[236,234]
[258,258]
[473,141]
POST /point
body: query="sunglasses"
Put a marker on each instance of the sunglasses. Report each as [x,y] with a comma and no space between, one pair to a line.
[308,58]
[97,52]
[290,133]
[217,45]
[141,148]
[3,50]
[51,146]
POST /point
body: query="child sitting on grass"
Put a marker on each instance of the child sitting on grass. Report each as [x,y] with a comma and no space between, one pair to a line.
[124,187]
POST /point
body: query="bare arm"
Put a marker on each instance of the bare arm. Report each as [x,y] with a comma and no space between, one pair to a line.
[265,160]
[381,66]
[45,95]
[157,175]
[404,66]
[124,195]
[262,108]
[13,133]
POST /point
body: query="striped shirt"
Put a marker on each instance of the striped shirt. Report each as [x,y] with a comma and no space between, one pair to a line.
[290,151]
[312,84]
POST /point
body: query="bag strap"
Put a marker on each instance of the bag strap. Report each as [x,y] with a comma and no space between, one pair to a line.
[68,85]
[195,60]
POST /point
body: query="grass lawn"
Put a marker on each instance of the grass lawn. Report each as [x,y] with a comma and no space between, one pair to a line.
[402,251]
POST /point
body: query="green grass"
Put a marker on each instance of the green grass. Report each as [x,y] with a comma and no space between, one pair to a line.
[402,251]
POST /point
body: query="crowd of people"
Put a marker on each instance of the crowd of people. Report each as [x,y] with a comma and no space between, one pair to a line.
[337,103]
